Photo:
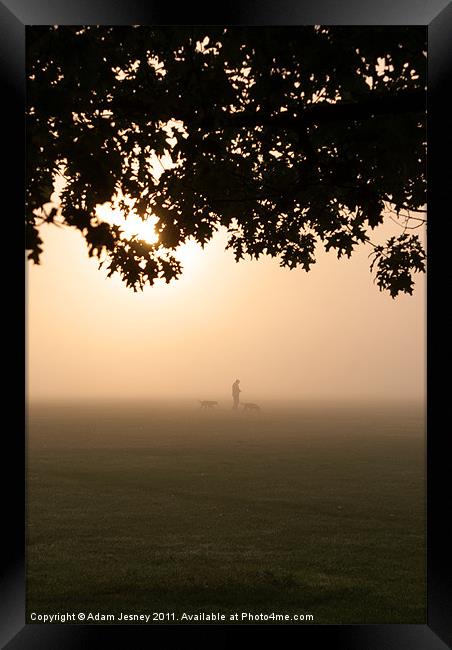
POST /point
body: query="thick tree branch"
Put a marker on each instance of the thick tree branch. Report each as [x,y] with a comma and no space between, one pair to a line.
[372,104]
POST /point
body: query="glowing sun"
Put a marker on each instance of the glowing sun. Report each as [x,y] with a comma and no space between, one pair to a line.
[188,253]
[133,225]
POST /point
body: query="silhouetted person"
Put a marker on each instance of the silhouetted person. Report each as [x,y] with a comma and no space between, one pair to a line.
[236,394]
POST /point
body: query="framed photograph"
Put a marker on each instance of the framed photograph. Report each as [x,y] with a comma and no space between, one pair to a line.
[233,322]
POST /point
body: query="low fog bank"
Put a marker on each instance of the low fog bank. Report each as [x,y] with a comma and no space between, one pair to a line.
[183,427]
[160,419]
[225,403]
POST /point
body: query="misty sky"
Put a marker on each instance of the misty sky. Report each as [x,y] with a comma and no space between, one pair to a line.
[327,334]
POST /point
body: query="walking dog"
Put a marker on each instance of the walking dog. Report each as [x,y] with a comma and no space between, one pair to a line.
[207,403]
[250,406]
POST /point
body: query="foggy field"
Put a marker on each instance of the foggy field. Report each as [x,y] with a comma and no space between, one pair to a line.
[142,508]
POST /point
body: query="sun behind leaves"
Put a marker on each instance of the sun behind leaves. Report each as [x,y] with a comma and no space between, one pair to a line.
[288,137]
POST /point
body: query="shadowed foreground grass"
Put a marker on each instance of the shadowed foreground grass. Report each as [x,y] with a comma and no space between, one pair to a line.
[135,508]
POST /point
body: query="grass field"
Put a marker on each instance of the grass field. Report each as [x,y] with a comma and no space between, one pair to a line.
[318,509]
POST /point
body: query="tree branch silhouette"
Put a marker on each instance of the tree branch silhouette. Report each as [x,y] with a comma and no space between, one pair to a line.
[286,137]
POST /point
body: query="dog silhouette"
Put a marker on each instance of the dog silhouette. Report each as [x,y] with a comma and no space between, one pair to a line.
[250,406]
[207,403]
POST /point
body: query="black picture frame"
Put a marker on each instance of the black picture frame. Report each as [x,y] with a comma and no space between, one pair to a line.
[436,15]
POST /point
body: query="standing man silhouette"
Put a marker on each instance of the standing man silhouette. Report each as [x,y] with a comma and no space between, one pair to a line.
[236,394]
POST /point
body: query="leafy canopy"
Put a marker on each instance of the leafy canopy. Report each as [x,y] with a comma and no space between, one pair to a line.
[288,137]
